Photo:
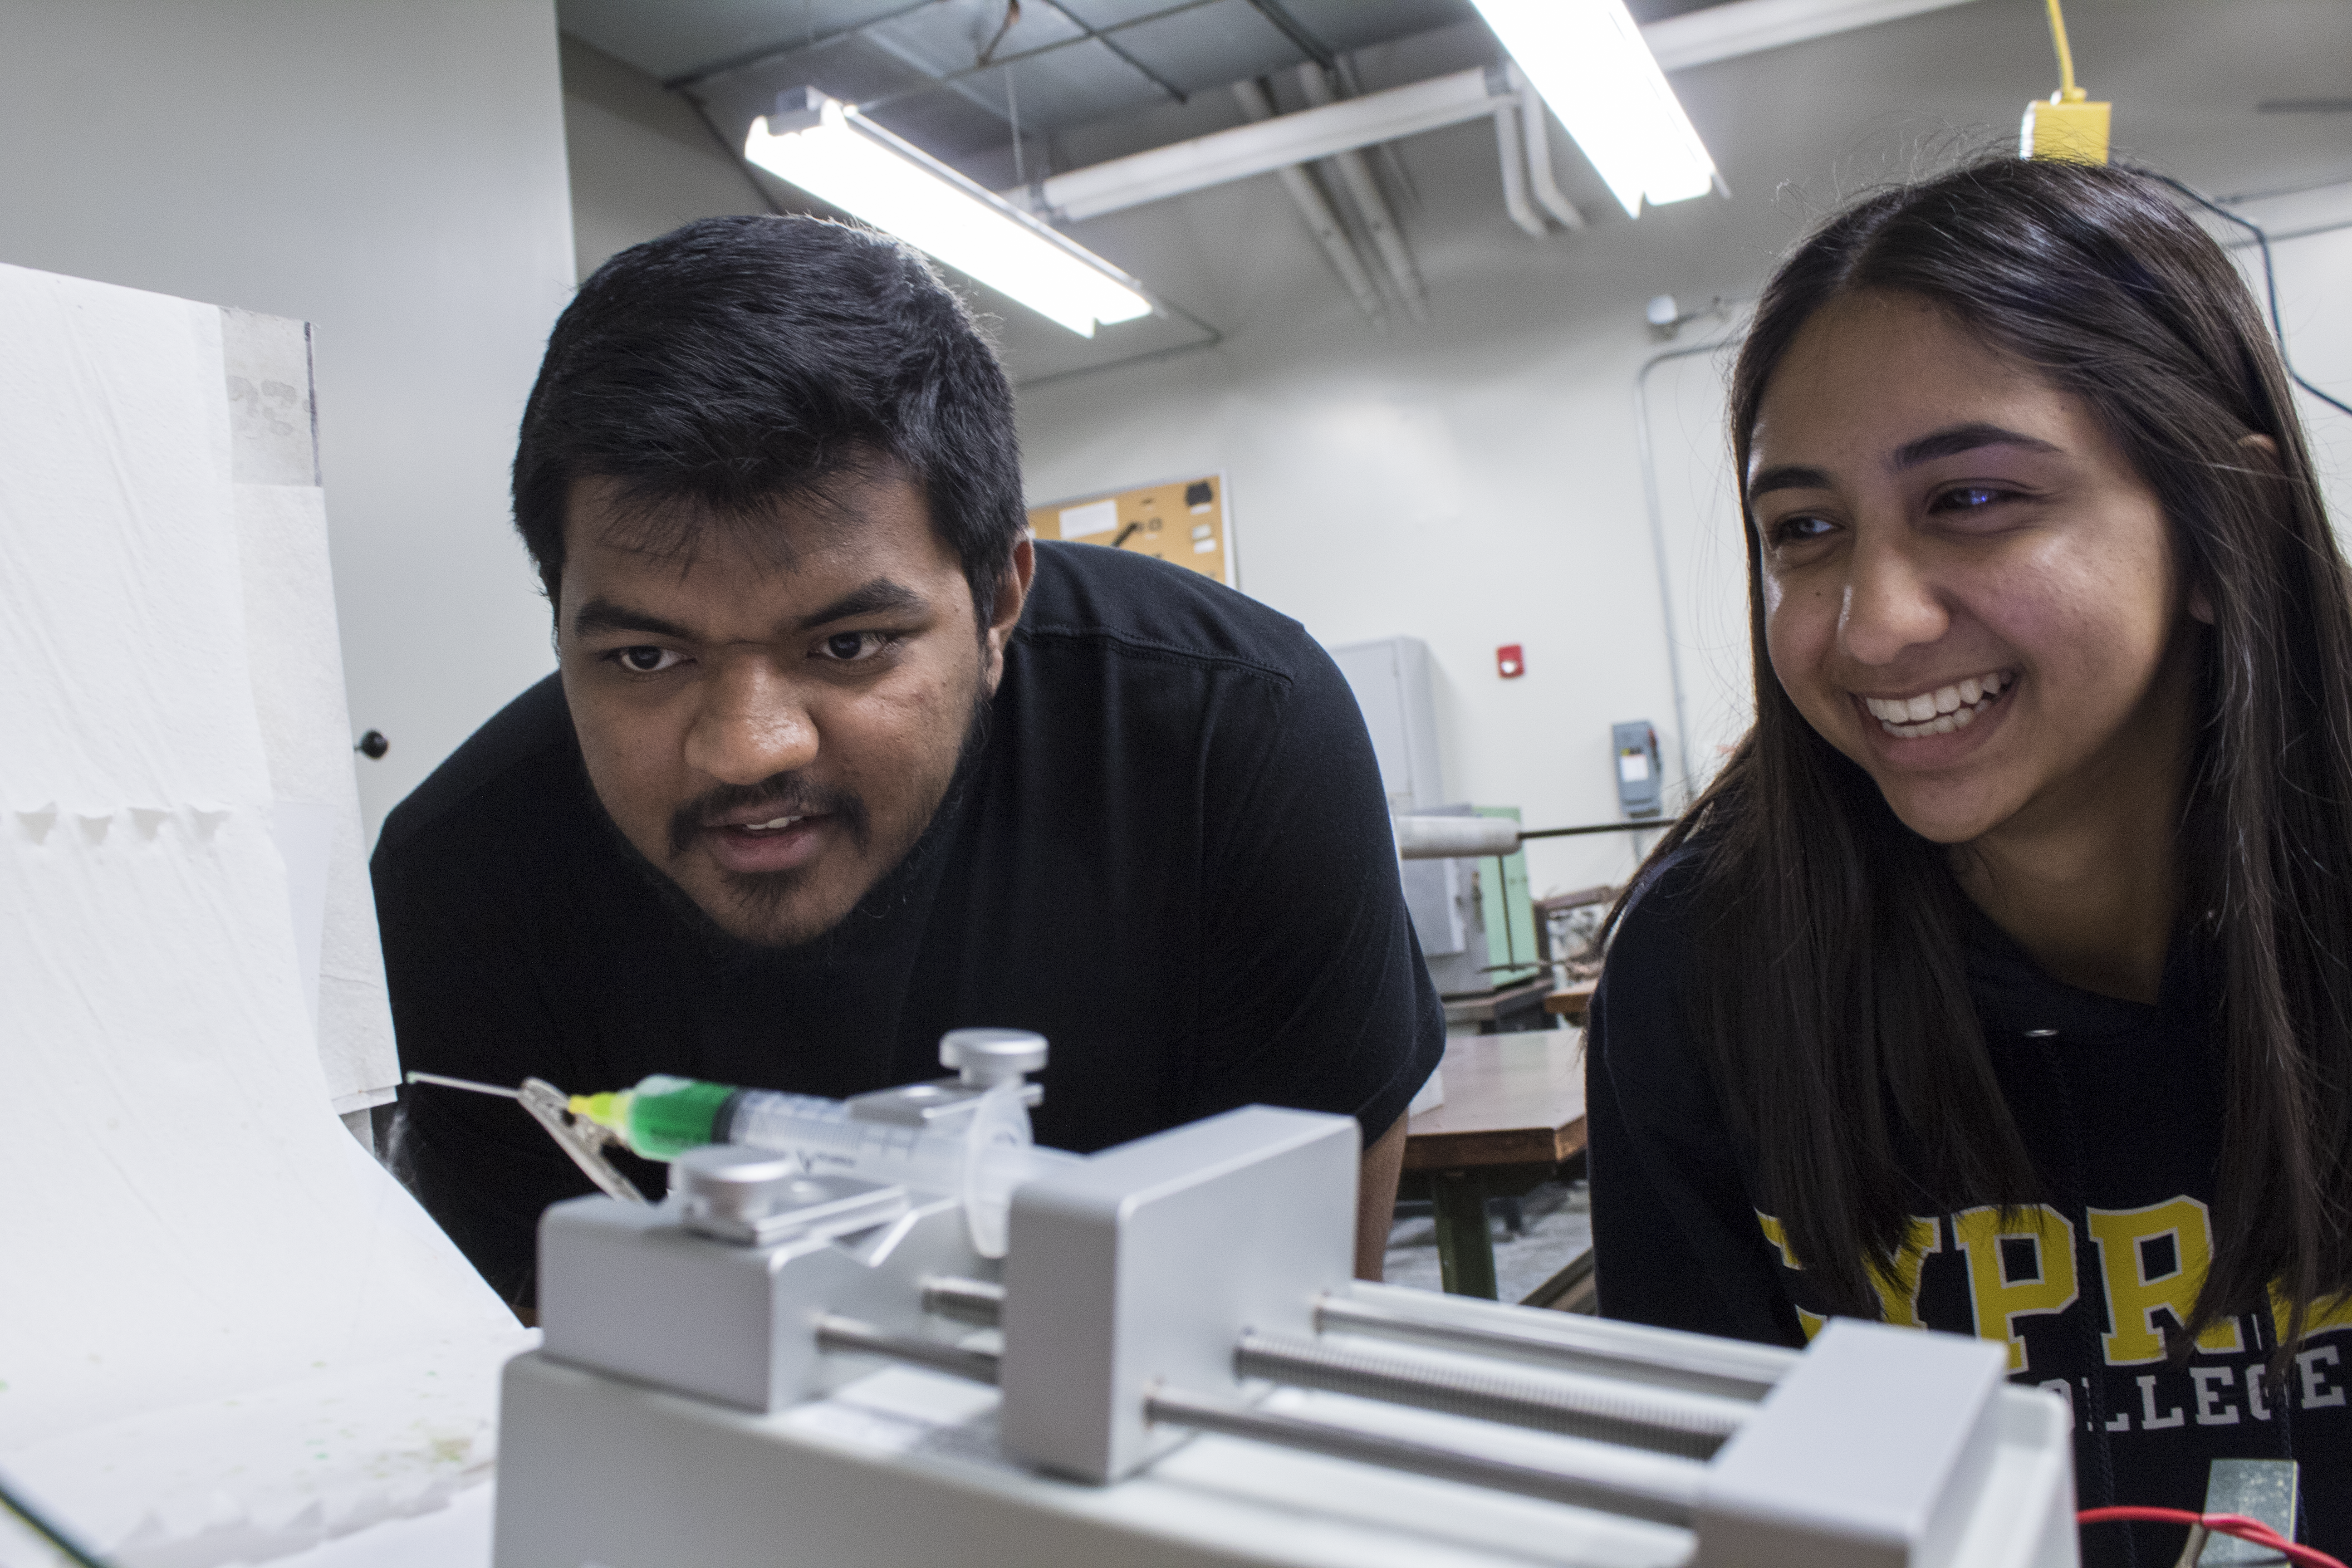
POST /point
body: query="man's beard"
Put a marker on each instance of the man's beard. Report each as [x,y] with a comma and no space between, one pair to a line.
[759,896]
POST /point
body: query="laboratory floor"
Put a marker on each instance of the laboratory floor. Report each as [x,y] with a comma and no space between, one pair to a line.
[1558,1229]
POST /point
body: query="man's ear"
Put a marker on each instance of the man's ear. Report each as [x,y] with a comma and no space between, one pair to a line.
[1005,612]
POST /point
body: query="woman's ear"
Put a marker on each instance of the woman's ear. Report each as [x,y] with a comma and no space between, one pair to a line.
[2200,603]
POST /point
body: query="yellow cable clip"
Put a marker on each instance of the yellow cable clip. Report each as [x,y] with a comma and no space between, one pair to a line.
[2067,125]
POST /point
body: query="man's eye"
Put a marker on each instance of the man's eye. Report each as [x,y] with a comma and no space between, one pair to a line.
[647,659]
[849,648]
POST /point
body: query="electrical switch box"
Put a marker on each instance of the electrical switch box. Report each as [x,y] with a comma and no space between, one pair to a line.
[1639,777]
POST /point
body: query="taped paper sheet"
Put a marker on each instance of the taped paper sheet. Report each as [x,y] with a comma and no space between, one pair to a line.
[225,1331]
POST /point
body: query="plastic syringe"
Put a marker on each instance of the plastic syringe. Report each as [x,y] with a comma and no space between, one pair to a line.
[988,1155]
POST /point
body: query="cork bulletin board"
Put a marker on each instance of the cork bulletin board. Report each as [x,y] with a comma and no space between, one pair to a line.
[1184,521]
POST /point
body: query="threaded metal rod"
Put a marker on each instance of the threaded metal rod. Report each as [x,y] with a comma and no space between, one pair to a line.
[978,1301]
[847,1336]
[1652,1486]
[1692,1426]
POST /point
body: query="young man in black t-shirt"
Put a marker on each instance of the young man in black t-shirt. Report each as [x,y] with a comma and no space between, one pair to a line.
[836,760]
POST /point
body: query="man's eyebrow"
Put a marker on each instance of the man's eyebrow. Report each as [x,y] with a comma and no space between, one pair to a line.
[1958,438]
[601,615]
[877,597]
[1947,443]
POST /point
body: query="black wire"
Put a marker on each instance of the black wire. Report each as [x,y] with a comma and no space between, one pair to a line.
[2270,278]
[41,1527]
[1642,826]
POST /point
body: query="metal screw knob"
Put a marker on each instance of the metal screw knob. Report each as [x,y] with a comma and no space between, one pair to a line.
[729,1181]
[986,1057]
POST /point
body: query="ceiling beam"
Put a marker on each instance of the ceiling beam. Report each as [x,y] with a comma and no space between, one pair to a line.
[1304,137]
[1751,27]
[1698,37]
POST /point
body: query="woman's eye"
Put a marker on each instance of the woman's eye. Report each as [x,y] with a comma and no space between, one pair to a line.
[1969,498]
[1801,529]
[644,660]
[848,648]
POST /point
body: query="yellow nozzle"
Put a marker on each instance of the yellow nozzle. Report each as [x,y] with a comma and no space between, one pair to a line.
[610,1109]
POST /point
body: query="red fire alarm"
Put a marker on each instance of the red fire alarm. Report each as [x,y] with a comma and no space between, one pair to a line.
[1508,662]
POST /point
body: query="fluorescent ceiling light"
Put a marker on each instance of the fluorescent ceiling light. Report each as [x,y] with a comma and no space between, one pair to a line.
[842,158]
[1587,60]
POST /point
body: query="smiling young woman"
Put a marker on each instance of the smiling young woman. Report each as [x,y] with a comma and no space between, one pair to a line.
[2002,980]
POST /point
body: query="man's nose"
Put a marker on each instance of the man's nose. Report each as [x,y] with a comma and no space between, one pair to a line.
[1892,600]
[752,725]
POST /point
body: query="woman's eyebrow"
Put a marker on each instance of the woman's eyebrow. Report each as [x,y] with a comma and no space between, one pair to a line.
[1945,443]
[1788,477]
[1957,438]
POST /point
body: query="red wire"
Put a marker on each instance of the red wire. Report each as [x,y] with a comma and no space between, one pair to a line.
[2236,1524]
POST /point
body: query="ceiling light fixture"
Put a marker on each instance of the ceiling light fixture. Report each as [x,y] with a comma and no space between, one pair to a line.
[1587,60]
[836,155]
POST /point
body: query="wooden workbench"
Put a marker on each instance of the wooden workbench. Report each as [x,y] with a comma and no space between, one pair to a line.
[1514,1110]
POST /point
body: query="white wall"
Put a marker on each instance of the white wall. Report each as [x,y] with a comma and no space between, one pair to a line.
[2313,260]
[392,171]
[642,161]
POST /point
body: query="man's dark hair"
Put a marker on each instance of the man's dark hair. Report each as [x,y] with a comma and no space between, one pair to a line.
[740,362]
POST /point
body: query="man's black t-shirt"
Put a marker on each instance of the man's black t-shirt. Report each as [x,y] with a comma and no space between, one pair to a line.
[2120,1109]
[1170,855]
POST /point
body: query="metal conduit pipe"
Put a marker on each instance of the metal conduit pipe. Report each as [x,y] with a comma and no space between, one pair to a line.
[1515,173]
[1662,1421]
[1315,208]
[1641,1485]
[1532,116]
[1355,173]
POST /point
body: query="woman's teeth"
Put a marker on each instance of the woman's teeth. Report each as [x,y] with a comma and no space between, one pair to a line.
[1940,711]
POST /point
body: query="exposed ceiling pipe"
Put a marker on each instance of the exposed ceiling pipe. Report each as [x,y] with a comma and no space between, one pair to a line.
[1321,221]
[1534,121]
[1514,172]
[1364,190]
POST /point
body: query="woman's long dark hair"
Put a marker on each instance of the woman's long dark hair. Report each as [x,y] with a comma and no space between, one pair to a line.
[1832,1007]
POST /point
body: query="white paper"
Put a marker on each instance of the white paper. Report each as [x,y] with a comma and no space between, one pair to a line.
[192,1234]
[296,668]
[1095,516]
[1634,767]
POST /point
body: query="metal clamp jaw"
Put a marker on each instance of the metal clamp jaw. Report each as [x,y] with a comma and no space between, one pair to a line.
[577,1136]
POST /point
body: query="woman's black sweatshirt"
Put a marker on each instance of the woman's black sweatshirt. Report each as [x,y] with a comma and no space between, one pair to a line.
[2120,1107]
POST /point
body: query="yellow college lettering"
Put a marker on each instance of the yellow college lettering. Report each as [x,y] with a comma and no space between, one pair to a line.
[1899,1291]
[2020,1268]
[1777,1235]
[2154,1258]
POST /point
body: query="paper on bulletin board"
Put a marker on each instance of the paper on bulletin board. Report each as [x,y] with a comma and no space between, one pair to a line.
[1186,522]
[211,1298]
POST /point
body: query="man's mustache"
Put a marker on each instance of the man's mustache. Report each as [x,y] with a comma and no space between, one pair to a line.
[784,794]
